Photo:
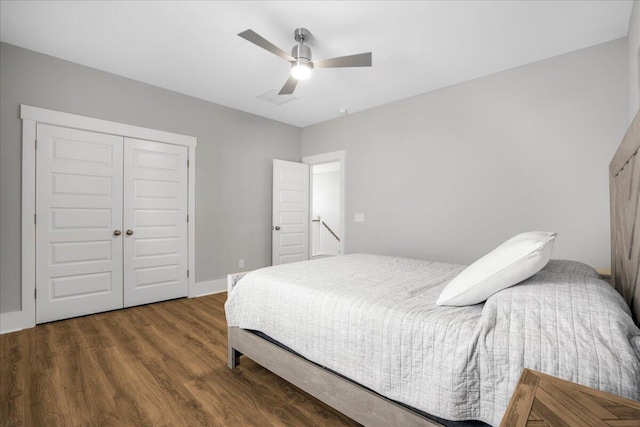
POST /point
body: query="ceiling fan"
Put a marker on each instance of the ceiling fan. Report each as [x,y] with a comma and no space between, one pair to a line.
[300,58]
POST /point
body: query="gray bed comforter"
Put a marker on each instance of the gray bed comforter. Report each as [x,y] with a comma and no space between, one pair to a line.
[374,320]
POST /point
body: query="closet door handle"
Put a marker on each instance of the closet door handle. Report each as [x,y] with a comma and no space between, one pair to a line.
[117,232]
[129,232]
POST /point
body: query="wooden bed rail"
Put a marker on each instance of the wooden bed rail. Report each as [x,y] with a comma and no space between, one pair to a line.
[353,400]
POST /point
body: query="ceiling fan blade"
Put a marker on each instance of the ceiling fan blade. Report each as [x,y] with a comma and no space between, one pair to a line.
[257,39]
[289,86]
[360,60]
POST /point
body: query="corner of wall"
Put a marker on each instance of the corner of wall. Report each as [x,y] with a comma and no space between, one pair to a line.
[633,58]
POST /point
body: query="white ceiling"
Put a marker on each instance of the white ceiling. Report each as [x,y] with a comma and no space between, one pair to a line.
[192,47]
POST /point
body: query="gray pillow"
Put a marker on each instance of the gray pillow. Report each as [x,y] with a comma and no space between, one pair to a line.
[570,267]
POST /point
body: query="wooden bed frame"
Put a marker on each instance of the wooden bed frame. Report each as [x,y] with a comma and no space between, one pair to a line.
[624,190]
[371,409]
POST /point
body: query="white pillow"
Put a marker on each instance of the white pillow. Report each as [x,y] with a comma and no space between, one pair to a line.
[512,262]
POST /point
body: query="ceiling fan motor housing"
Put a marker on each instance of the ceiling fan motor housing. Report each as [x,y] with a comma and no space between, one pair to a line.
[301,52]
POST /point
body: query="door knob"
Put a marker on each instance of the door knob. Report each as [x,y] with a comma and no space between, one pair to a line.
[277,227]
[117,232]
[129,232]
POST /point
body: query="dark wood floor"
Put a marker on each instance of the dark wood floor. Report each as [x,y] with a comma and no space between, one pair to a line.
[160,364]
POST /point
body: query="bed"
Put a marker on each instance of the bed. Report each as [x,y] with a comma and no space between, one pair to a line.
[362,333]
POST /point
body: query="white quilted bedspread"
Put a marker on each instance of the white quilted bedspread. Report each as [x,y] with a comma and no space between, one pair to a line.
[374,320]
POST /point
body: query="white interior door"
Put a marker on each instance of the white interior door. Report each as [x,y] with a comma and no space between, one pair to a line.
[79,219]
[155,222]
[290,230]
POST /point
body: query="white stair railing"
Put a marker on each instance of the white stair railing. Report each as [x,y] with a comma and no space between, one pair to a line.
[324,240]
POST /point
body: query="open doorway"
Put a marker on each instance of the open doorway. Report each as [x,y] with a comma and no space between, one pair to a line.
[326,228]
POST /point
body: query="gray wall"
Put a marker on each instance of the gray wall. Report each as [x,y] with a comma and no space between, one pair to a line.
[446,175]
[233,176]
[633,45]
[450,174]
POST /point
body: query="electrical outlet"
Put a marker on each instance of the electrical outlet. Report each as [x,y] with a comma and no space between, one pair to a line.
[359,217]
[241,263]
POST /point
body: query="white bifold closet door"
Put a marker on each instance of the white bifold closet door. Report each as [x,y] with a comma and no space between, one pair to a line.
[111,227]
[155,218]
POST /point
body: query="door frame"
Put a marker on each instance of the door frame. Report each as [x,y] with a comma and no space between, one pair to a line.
[331,157]
[31,116]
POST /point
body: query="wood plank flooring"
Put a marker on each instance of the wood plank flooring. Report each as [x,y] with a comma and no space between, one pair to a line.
[159,364]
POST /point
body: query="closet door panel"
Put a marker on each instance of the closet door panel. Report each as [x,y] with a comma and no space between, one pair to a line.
[155,217]
[78,208]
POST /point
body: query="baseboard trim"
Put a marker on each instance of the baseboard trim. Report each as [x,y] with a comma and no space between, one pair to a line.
[15,321]
[208,287]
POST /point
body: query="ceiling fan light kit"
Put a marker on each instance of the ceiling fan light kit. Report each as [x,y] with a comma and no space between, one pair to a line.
[301,70]
[301,59]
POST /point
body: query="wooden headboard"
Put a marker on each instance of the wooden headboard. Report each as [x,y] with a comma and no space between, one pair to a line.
[624,190]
